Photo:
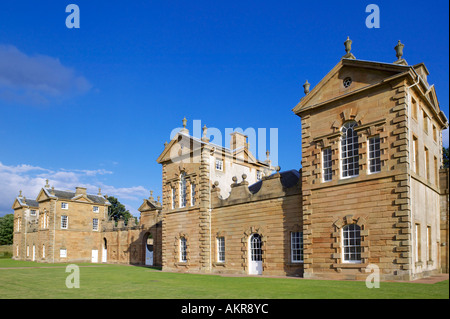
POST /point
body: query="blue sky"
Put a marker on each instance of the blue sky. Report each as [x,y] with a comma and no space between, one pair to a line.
[93,106]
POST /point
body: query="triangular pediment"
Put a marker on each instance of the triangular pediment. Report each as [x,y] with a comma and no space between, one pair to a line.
[42,196]
[180,146]
[82,198]
[16,204]
[349,76]
[147,205]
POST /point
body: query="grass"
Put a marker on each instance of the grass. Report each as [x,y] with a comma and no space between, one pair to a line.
[23,280]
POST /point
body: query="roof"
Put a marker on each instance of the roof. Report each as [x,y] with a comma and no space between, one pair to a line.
[70,195]
[27,202]
[288,179]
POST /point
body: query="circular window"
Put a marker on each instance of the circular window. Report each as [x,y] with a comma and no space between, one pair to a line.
[347,82]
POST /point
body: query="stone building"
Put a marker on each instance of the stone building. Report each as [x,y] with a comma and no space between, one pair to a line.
[64,226]
[371,193]
[371,157]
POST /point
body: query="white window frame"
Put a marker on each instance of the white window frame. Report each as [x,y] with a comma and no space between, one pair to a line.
[183,249]
[62,253]
[348,159]
[297,247]
[193,193]
[374,152]
[355,248]
[66,224]
[96,209]
[327,163]
[219,165]
[64,205]
[258,175]
[183,190]
[221,249]
[32,212]
[173,197]
[95,224]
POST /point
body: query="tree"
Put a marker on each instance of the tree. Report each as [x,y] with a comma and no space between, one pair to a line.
[6,229]
[117,210]
[446,157]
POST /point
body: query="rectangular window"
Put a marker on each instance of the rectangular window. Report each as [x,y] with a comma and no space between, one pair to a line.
[193,194]
[351,236]
[415,155]
[219,165]
[95,209]
[425,122]
[64,205]
[436,171]
[95,224]
[258,175]
[434,133]
[183,194]
[18,223]
[173,198]
[417,246]
[33,212]
[63,253]
[296,247]
[183,249]
[427,164]
[64,222]
[429,243]
[221,249]
[326,164]
[414,108]
[374,155]
[349,151]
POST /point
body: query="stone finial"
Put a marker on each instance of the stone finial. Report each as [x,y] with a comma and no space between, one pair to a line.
[151,196]
[278,168]
[399,53]
[348,49]
[20,193]
[216,183]
[46,184]
[399,49]
[234,178]
[267,154]
[99,192]
[204,134]
[158,199]
[53,190]
[184,129]
[306,87]
[244,177]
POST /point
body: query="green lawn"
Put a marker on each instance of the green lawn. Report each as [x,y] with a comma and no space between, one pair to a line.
[119,281]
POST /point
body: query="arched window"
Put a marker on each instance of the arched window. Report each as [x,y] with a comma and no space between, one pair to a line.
[349,150]
[183,190]
[351,243]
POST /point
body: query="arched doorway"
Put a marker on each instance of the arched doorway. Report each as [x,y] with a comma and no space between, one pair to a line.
[105,251]
[255,255]
[148,246]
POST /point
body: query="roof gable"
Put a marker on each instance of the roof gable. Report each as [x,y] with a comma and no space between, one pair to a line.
[363,74]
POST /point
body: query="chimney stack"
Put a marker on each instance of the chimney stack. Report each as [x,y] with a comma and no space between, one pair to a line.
[80,190]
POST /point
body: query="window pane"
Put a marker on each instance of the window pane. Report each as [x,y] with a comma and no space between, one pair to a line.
[349,150]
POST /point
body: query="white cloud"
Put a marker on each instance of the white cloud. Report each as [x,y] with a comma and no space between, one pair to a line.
[30,179]
[36,79]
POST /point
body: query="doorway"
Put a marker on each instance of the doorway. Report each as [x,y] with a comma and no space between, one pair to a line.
[148,243]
